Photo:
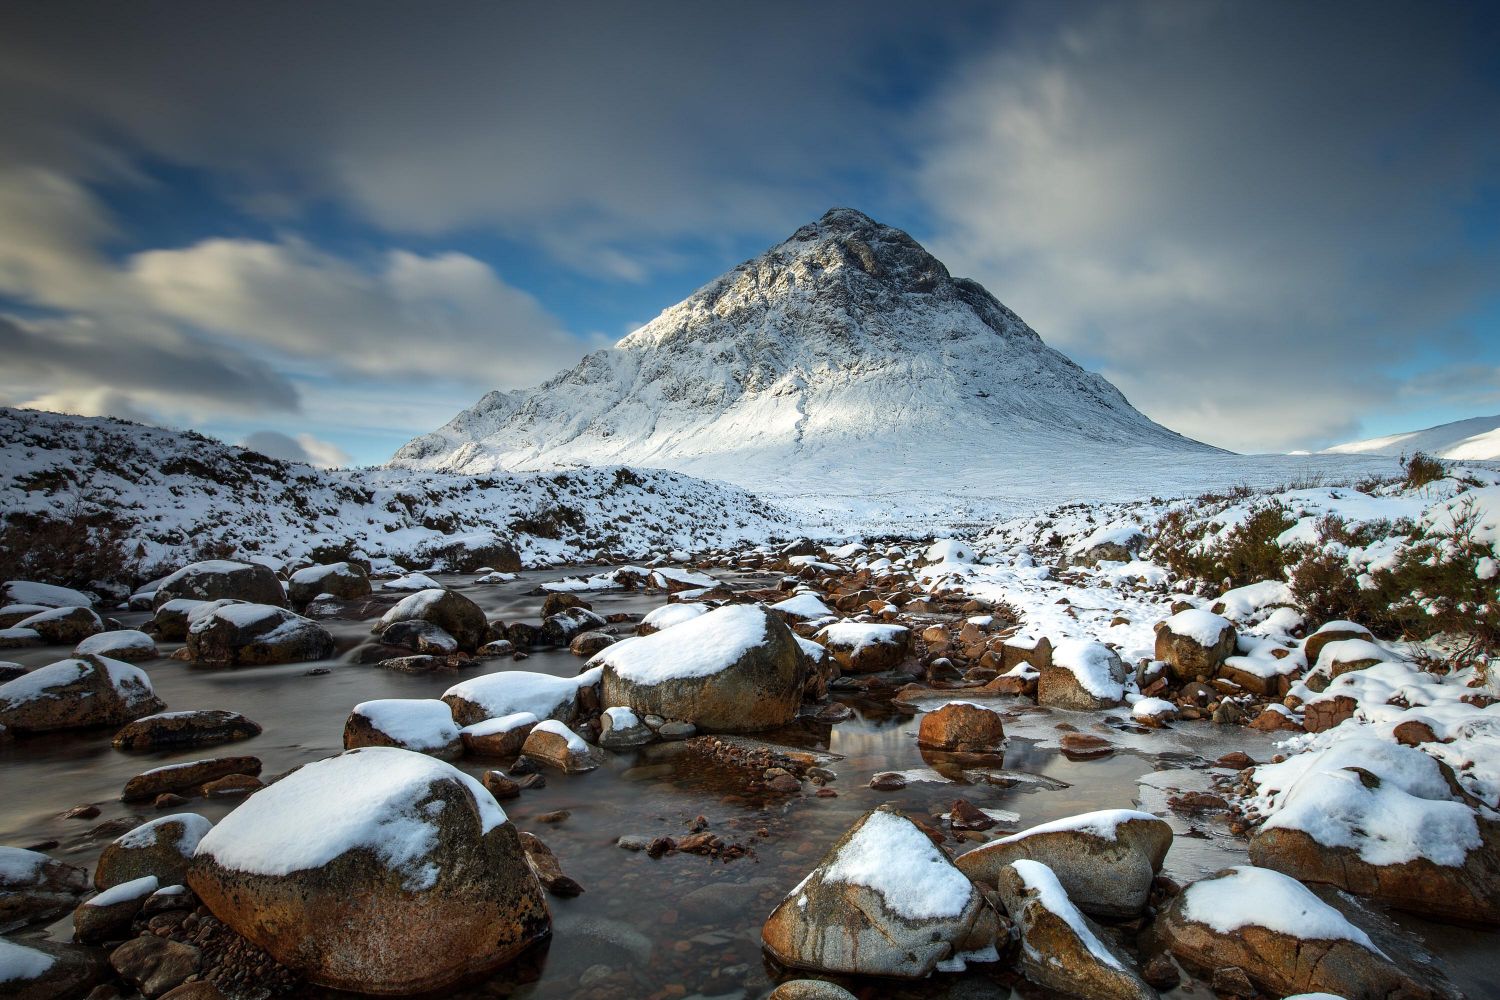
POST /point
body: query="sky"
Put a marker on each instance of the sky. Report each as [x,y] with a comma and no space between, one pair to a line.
[322,229]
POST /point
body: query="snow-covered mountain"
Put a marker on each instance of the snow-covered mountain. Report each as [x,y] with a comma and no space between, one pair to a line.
[1474,440]
[844,351]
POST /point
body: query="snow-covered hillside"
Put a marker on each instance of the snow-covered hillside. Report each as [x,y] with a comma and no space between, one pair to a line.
[182,495]
[1474,440]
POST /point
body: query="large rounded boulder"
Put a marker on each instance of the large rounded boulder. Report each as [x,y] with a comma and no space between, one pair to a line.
[35,888]
[1194,643]
[246,635]
[78,692]
[735,669]
[1083,676]
[219,579]
[378,871]
[452,612]
[343,580]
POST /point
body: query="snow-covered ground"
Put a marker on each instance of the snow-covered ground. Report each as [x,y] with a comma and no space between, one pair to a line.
[1476,439]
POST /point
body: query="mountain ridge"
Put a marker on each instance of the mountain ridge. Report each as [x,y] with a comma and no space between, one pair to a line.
[1474,439]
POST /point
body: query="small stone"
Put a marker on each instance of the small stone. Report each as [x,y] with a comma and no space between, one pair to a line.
[784,784]
[501,786]
[1231,981]
[1085,746]
[888,781]
[556,816]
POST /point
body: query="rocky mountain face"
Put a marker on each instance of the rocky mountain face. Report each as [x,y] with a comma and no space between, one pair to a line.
[844,350]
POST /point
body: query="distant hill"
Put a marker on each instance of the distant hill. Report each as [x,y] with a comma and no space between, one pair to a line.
[1476,439]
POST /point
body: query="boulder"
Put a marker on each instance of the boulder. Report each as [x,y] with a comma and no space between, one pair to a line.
[376,871]
[553,743]
[35,888]
[1034,651]
[560,601]
[162,847]
[171,730]
[217,579]
[862,648]
[187,776]
[670,614]
[1285,939]
[44,595]
[884,901]
[620,728]
[154,964]
[421,724]
[507,692]
[1083,676]
[735,669]
[559,629]
[170,621]
[106,916]
[452,612]
[63,626]
[83,691]
[1336,631]
[502,737]
[45,970]
[255,635]
[423,638]
[1340,657]
[587,644]
[1104,860]
[127,644]
[810,989]
[1194,643]
[1153,712]
[1061,948]
[961,727]
[344,580]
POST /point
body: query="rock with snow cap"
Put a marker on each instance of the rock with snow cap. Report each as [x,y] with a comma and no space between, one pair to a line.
[884,901]
[256,635]
[163,848]
[500,737]
[186,776]
[1083,676]
[1335,631]
[218,579]
[376,871]
[452,612]
[561,628]
[106,915]
[63,626]
[82,691]
[1111,543]
[47,970]
[36,888]
[1285,938]
[1105,860]
[128,644]
[421,724]
[1061,948]
[621,728]
[735,669]
[346,581]
[1194,643]
[670,614]
[506,692]
[863,648]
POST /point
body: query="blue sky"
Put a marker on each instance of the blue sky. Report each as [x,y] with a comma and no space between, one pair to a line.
[1273,226]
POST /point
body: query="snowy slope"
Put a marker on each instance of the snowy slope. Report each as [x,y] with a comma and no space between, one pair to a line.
[179,492]
[1474,440]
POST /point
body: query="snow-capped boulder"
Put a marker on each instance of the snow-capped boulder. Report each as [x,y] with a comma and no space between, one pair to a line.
[343,580]
[421,637]
[802,608]
[218,579]
[255,635]
[63,626]
[884,901]
[47,970]
[12,615]
[502,737]
[1286,939]
[550,742]
[35,888]
[43,595]
[163,847]
[78,692]
[452,612]
[621,728]
[1335,631]
[172,619]
[863,648]
[497,695]
[1061,948]
[559,629]
[1025,650]
[1083,676]
[1381,820]
[169,730]
[961,727]
[376,871]
[949,550]
[187,776]
[106,916]
[560,601]
[1194,643]
[1153,712]
[670,614]
[735,669]
[1345,656]
[126,644]
[412,582]
[1105,860]
[421,724]
[1111,543]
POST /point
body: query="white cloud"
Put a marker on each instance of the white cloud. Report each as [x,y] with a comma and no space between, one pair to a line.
[303,448]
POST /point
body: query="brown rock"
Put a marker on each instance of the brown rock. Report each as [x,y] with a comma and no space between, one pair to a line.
[1413,733]
[1325,713]
[163,847]
[1085,746]
[961,727]
[544,863]
[35,888]
[219,579]
[155,965]
[74,693]
[186,776]
[185,729]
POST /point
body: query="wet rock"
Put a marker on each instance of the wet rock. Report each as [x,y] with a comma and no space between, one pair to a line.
[1104,860]
[736,669]
[560,629]
[863,648]
[883,901]
[46,970]
[1194,643]
[79,692]
[63,626]
[424,725]
[345,581]
[163,847]
[589,643]
[255,635]
[452,612]
[553,743]
[501,785]
[232,786]
[306,870]
[961,727]
[888,781]
[35,888]
[1231,982]
[964,815]
[810,989]
[107,916]
[620,728]
[155,965]
[676,730]
[1085,746]
[421,637]
[548,871]
[1060,947]
[1285,939]
[219,579]
[560,601]
[170,730]
[419,664]
[186,776]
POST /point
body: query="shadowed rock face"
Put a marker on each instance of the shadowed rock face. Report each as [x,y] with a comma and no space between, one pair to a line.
[357,924]
[185,729]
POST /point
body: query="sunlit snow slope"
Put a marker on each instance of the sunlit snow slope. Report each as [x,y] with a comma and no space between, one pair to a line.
[1474,440]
